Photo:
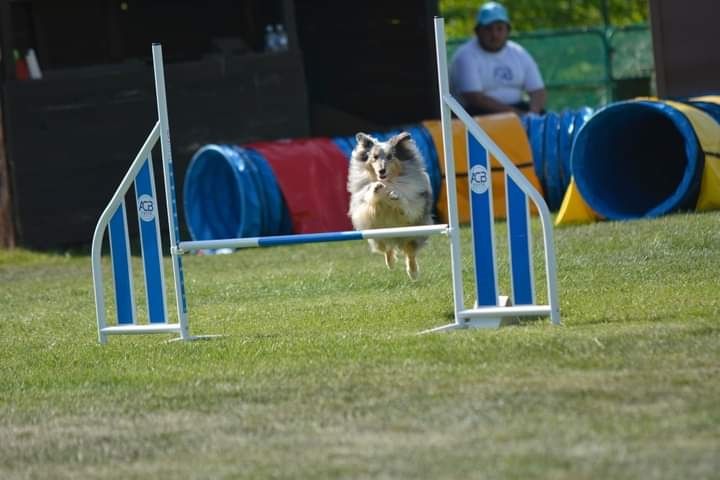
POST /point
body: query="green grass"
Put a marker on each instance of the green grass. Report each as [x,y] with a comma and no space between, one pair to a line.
[321,374]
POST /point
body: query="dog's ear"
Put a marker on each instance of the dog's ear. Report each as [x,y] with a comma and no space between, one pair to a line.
[400,137]
[403,146]
[364,140]
[362,149]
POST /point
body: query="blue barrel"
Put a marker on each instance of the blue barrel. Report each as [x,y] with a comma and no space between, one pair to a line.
[637,159]
[231,192]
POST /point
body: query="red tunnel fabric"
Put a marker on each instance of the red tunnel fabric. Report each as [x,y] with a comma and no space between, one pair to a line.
[312,174]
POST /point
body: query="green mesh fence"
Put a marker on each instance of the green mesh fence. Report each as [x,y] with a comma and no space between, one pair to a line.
[590,67]
[632,55]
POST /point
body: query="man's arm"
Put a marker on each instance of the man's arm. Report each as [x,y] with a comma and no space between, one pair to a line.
[485,103]
[537,100]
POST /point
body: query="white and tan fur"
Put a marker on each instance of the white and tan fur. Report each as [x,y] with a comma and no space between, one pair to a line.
[389,187]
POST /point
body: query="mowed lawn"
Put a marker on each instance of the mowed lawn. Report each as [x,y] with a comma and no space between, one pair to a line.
[320,372]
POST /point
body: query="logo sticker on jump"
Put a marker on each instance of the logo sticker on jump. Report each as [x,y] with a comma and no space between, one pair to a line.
[479,179]
[146,208]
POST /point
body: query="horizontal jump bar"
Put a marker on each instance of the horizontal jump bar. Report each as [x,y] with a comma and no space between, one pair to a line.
[270,241]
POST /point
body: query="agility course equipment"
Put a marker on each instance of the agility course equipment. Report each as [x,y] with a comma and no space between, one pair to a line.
[646,158]
[507,131]
[487,311]
[303,181]
[551,137]
[280,187]
[114,219]
[299,185]
[231,191]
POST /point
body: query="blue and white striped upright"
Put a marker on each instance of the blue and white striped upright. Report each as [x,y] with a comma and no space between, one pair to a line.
[488,310]
[121,267]
[483,222]
[114,218]
[483,232]
[522,283]
[149,226]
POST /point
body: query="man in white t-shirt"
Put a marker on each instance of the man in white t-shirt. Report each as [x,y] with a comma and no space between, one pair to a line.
[490,73]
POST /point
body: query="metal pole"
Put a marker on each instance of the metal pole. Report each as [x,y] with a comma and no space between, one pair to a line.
[604,7]
[446,119]
[174,231]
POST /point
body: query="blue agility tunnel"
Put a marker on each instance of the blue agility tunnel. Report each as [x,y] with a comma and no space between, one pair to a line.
[551,137]
[231,192]
[638,159]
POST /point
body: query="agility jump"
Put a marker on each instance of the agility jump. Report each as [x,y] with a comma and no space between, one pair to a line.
[488,312]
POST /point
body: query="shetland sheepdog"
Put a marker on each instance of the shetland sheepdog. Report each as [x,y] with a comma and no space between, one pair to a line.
[389,187]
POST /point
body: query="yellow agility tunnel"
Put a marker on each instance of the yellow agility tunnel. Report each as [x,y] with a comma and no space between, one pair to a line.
[507,131]
[645,158]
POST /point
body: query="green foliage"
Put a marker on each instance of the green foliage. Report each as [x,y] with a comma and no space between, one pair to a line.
[321,374]
[532,15]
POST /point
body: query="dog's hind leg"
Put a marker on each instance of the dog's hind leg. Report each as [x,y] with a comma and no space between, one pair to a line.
[390,258]
[411,266]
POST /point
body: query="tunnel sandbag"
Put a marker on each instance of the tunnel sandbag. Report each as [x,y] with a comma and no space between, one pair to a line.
[312,175]
[230,194]
[637,159]
[424,142]
[508,133]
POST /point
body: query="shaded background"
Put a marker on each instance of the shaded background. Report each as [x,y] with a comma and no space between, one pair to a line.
[68,138]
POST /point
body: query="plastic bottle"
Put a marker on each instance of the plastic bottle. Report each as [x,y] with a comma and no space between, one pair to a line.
[282,38]
[271,39]
[33,65]
[21,68]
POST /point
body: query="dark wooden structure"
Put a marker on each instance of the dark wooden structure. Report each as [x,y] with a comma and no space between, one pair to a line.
[374,62]
[69,137]
[685,45]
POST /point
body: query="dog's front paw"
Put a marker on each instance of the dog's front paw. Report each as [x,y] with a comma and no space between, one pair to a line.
[392,195]
[378,186]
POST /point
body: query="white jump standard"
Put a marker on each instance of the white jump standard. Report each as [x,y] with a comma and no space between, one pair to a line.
[487,311]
